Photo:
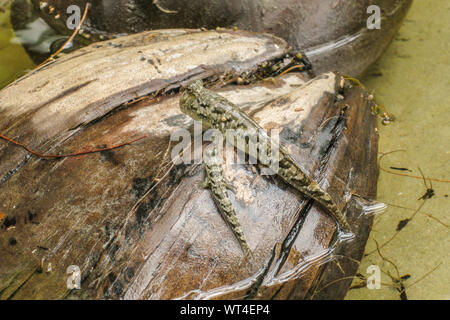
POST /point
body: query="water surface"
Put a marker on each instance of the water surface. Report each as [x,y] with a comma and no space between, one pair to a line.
[412,80]
[13,59]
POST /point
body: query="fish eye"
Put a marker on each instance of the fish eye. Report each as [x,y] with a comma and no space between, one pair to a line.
[194,86]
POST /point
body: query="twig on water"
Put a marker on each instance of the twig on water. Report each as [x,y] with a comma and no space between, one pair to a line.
[404,174]
[75,32]
[157,5]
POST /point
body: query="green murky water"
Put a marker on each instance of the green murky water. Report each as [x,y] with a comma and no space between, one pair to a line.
[415,87]
[412,80]
[13,59]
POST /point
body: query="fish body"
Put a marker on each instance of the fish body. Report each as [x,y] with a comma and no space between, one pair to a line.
[217,112]
[215,180]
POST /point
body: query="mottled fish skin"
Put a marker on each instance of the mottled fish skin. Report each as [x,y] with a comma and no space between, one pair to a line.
[217,112]
[215,180]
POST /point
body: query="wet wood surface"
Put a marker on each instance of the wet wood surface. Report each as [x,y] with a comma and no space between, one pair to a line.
[139,226]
